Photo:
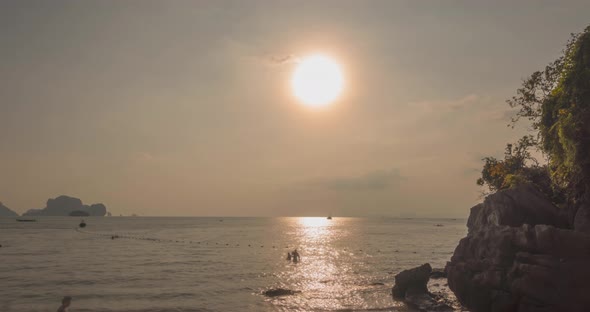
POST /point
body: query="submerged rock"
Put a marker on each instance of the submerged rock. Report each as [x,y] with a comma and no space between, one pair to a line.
[518,259]
[277,292]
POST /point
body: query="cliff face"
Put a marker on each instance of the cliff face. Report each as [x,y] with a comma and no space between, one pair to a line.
[6,212]
[64,205]
[520,255]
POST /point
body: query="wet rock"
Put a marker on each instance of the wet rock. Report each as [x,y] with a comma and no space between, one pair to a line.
[278,292]
[411,286]
[438,273]
[416,278]
[425,301]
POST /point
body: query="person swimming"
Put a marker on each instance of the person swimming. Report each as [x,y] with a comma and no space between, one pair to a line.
[65,303]
[296,256]
[289,256]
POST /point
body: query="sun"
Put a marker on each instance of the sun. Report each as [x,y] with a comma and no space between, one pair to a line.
[317,80]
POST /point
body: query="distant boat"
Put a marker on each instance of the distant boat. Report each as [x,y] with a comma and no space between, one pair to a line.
[82,224]
[26,220]
[329,217]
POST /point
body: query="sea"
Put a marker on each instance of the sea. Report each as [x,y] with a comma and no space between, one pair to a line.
[157,264]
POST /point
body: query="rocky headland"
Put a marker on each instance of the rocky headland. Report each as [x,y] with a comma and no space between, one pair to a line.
[66,206]
[6,212]
[521,254]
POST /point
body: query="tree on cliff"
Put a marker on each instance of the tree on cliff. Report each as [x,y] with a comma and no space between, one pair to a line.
[556,101]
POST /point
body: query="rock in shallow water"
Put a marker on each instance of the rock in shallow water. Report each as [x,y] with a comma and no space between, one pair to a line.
[415,278]
[277,292]
[438,273]
[411,286]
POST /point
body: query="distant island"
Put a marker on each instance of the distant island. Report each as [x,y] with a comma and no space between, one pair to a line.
[6,212]
[68,206]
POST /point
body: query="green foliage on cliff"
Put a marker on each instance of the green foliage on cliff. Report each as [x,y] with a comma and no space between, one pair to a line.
[518,167]
[556,101]
[565,120]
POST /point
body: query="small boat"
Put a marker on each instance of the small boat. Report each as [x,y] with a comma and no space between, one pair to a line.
[82,224]
[26,220]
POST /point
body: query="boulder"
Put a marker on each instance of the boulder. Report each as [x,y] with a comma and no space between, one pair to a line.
[6,212]
[412,286]
[416,278]
[524,204]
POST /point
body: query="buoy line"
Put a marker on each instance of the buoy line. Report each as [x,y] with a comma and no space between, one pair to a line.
[199,243]
[159,240]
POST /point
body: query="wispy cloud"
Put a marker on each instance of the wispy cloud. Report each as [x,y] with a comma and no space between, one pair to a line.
[447,105]
[282,59]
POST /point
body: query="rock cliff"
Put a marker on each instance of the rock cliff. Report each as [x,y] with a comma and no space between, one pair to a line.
[520,254]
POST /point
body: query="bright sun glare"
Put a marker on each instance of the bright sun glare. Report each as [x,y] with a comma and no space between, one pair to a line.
[317,80]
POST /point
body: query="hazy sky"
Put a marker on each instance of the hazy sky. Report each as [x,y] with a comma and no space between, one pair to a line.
[185,107]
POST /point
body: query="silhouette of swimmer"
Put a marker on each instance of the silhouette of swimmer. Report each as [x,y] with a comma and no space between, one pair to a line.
[65,303]
[289,256]
[295,255]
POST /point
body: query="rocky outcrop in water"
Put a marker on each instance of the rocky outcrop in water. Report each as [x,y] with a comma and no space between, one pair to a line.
[520,255]
[411,287]
[278,292]
[65,205]
[6,212]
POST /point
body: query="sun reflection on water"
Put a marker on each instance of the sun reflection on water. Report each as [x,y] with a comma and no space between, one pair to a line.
[333,272]
[318,272]
[313,229]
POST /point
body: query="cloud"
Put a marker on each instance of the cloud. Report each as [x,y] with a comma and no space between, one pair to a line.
[282,59]
[370,181]
[447,105]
